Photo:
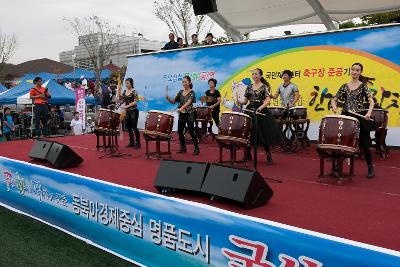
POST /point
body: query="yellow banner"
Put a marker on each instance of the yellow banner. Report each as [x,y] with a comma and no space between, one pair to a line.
[319,71]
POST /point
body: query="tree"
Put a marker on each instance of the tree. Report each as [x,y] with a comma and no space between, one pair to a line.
[179,16]
[374,19]
[98,37]
[8,46]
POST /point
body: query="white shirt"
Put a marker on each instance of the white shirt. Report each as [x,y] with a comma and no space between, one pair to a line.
[84,84]
[77,126]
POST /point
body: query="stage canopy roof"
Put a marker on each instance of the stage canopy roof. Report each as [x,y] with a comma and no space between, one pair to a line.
[238,17]
[2,88]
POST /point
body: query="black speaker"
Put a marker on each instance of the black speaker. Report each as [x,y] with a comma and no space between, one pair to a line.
[180,175]
[61,156]
[202,7]
[248,188]
[40,149]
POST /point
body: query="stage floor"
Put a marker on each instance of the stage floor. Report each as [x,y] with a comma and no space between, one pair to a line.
[365,210]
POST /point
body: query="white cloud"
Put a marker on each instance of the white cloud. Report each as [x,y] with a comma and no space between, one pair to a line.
[375,41]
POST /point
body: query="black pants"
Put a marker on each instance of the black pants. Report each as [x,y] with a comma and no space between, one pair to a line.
[53,130]
[41,115]
[7,136]
[186,120]
[364,142]
[215,117]
[132,117]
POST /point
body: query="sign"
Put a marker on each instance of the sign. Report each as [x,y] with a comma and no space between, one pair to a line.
[320,62]
[80,104]
[154,230]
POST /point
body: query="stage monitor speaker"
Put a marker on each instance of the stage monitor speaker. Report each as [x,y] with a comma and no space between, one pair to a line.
[40,149]
[180,175]
[248,188]
[203,7]
[61,156]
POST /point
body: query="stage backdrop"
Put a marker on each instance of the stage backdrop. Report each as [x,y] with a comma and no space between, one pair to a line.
[320,63]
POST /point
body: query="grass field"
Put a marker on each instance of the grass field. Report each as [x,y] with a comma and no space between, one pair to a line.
[27,242]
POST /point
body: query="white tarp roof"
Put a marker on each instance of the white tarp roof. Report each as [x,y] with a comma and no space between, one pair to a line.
[237,17]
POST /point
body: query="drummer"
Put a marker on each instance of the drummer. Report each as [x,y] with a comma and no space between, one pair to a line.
[287,91]
[213,100]
[258,97]
[186,97]
[130,99]
[354,94]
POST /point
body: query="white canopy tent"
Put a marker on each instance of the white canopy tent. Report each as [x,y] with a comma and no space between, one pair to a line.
[238,17]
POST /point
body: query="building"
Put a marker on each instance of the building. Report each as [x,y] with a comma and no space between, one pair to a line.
[124,45]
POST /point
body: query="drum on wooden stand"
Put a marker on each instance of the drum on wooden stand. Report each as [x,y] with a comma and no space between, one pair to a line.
[159,123]
[107,120]
[203,114]
[298,113]
[279,113]
[234,127]
[339,134]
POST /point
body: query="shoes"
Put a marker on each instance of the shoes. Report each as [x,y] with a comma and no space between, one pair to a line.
[371,172]
[131,144]
[182,150]
[196,150]
[137,146]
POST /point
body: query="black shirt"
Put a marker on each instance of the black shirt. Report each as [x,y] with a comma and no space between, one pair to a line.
[214,98]
[354,100]
[182,99]
[171,45]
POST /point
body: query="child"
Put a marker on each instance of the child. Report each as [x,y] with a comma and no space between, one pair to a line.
[54,120]
[8,124]
[76,124]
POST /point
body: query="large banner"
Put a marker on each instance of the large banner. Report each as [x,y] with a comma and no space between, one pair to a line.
[153,230]
[320,63]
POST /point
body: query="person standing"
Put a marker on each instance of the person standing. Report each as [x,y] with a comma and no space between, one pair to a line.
[40,97]
[8,124]
[267,131]
[76,124]
[209,39]
[181,44]
[130,98]
[213,101]
[171,44]
[195,40]
[287,91]
[54,120]
[355,95]
[186,97]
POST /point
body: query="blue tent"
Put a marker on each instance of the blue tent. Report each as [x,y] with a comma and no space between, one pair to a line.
[88,74]
[10,97]
[59,94]
[2,88]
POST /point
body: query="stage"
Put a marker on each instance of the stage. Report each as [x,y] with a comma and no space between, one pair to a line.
[364,210]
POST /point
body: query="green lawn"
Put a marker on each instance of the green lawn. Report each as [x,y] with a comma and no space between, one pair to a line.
[27,242]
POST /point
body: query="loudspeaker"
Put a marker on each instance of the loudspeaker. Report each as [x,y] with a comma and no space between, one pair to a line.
[40,149]
[61,156]
[248,188]
[180,175]
[202,7]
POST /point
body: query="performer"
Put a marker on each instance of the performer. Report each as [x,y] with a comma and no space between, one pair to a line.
[213,101]
[186,97]
[130,98]
[258,95]
[355,94]
[40,96]
[287,91]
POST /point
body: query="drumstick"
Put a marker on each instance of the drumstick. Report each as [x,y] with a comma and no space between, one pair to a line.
[359,115]
[254,111]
